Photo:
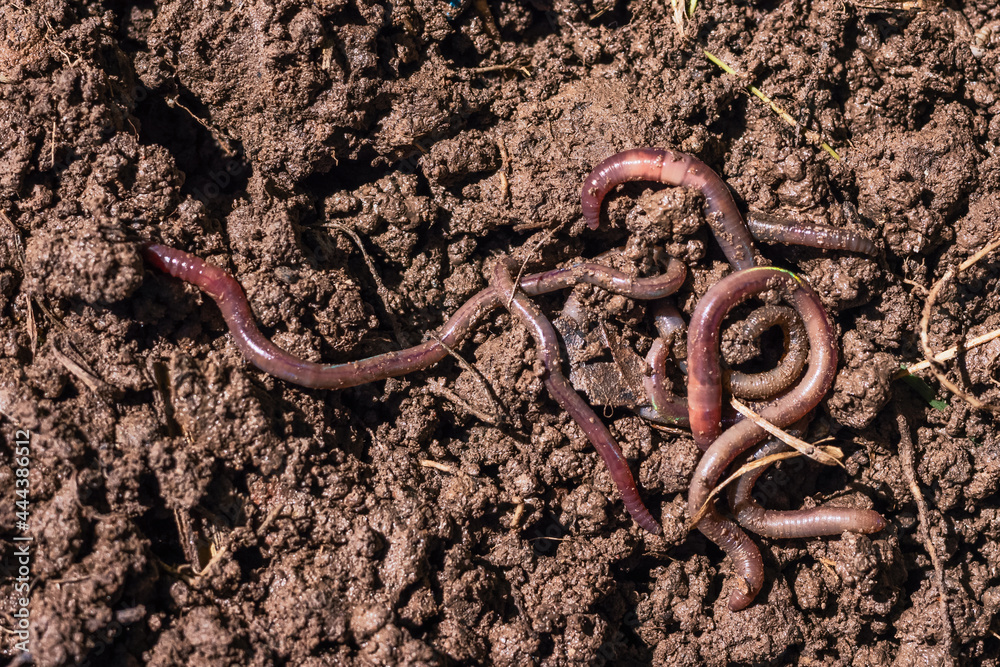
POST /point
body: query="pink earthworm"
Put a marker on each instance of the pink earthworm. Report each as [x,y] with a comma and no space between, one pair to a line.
[770,229]
[560,389]
[673,168]
[265,355]
[672,410]
[642,289]
[670,325]
[666,407]
[704,370]
[764,385]
[268,357]
[812,522]
[705,403]
[731,230]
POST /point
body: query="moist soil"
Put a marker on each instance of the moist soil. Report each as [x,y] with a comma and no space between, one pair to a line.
[359,165]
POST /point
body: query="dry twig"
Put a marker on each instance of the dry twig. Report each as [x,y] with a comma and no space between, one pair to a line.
[390,300]
[828,456]
[443,467]
[439,389]
[929,358]
[825,455]
[499,413]
[907,460]
[950,353]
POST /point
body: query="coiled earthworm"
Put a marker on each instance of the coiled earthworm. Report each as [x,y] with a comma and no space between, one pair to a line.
[704,370]
[770,229]
[268,357]
[672,410]
[812,522]
[559,387]
[766,384]
[673,168]
[705,403]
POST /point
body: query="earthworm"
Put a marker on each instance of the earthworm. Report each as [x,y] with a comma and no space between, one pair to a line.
[770,229]
[560,389]
[643,289]
[680,169]
[732,232]
[672,410]
[812,522]
[667,408]
[268,357]
[704,371]
[705,403]
[764,385]
[670,325]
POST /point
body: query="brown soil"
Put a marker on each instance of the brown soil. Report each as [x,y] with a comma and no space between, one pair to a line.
[187,508]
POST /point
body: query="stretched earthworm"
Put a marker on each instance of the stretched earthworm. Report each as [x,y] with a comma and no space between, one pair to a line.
[705,403]
[642,289]
[673,168]
[731,231]
[770,229]
[268,357]
[812,522]
[559,387]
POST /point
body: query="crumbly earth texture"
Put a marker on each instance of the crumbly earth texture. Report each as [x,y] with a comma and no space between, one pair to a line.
[357,164]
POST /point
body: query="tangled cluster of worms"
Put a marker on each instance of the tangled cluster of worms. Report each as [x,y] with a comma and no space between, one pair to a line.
[790,391]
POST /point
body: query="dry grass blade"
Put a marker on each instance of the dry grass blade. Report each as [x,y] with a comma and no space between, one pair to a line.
[812,137]
[504,169]
[679,16]
[499,413]
[84,375]
[744,469]
[899,5]
[390,300]
[32,327]
[950,353]
[443,467]
[519,65]
[828,456]
[439,389]
[667,429]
